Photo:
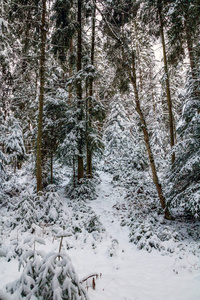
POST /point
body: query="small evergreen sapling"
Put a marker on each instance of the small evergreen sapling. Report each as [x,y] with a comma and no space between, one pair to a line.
[23,287]
[14,145]
[58,280]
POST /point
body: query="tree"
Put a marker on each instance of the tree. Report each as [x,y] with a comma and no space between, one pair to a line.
[183,182]
[54,124]
[89,100]
[154,16]
[14,144]
[115,27]
[57,279]
[25,16]
[124,155]
[41,97]
[183,34]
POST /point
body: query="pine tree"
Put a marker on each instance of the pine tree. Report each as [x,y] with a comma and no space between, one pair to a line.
[14,144]
[183,34]
[54,123]
[183,182]
[57,279]
[25,18]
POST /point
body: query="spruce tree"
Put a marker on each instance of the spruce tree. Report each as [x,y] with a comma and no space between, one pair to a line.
[153,14]
[183,182]
[115,18]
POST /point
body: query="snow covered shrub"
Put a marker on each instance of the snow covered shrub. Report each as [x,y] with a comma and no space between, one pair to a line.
[22,288]
[86,190]
[35,209]
[85,223]
[14,145]
[17,248]
[25,212]
[51,206]
[93,224]
[58,280]
[46,277]
[149,230]
[183,181]
[147,235]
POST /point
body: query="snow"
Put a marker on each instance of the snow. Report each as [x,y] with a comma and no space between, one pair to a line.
[125,273]
[129,273]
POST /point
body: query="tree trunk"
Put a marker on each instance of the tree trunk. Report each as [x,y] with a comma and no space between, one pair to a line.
[147,140]
[41,97]
[79,93]
[74,172]
[169,100]
[88,145]
[70,71]
[51,166]
[191,58]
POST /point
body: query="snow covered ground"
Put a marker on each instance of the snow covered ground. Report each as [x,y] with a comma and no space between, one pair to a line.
[129,273]
[125,273]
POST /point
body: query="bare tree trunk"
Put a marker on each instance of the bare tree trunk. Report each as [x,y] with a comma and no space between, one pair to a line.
[191,58]
[74,172]
[41,97]
[79,93]
[70,71]
[147,140]
[51,166]
[169,100]
[88,145]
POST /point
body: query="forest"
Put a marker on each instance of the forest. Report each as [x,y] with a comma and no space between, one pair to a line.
[100,149]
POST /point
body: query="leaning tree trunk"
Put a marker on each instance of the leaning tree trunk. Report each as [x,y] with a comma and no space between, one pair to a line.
[169,100]
[41,97]
[88,142]
[79,94]
[132,75]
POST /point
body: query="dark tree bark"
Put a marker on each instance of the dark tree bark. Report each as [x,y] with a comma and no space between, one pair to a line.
[89,104]
[167,83]
[41,97]
[79,93]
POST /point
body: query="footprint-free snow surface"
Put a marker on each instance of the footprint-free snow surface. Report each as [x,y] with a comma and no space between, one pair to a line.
[129,273]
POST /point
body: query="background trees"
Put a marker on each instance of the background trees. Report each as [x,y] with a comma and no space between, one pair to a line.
[63,64]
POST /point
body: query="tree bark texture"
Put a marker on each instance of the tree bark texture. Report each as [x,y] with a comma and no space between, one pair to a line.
[88,146]
[41,98]
[79,94]
[167,83]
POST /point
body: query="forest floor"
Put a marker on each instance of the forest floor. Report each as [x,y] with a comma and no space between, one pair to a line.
[124,272]
[129,273]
